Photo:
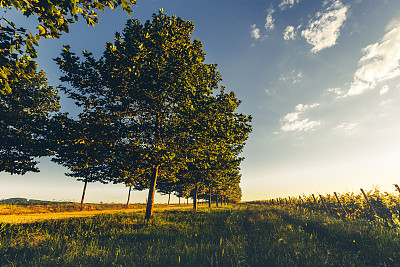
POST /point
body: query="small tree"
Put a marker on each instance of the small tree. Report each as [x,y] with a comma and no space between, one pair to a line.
[82,148]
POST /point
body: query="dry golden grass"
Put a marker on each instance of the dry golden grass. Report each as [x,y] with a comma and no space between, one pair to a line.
[30,214]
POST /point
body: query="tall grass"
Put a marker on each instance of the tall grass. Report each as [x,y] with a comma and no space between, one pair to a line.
[244,235]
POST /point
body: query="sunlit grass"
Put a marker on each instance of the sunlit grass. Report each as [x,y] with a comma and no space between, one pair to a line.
[8,209]
[244,235]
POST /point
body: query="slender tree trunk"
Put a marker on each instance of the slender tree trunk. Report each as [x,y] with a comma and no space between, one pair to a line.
[129,196]
[216,199]
[209,199]
[150,200]
[195,197]
[169,197]
[187,200]
[179,200]
[83,194]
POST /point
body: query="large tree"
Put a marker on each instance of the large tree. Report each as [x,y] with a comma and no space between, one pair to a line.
[24,121]
[139,86]
[17,44]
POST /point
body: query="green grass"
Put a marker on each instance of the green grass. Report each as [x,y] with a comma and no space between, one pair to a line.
[244,235]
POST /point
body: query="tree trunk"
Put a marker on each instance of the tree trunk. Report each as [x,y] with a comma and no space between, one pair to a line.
[169,197]
[179,200]
[209,199]
[187,200]
[216,199]
[195,197]
[129,196]
[150,199]
[83,194]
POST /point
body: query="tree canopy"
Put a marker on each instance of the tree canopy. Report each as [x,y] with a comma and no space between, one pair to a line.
[17,44]
[24,122]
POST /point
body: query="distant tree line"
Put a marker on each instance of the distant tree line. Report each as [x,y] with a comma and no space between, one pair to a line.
[152,116]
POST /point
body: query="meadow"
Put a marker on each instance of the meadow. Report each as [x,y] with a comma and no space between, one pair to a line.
[247,234]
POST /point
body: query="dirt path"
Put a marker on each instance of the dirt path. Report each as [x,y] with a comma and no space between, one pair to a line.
[33,217]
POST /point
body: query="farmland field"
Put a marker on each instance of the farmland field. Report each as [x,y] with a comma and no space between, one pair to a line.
[241,235]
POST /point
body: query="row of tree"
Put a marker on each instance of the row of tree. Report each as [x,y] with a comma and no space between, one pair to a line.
[152,115]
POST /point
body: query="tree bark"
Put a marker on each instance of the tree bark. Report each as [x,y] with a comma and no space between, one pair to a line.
[150,199]
[129,196]
[179,200]
[209,199]
[83,194]
[216,199]
[195,197]
[169,197]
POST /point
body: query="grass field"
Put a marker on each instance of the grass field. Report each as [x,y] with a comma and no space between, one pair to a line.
[243,235]
[12,209]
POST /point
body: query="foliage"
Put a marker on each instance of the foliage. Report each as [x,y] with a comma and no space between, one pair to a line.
[17,49]
[79,148]
[24,124]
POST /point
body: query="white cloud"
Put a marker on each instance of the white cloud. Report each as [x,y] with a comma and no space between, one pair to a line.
[293,121]
[323,32]
[380,63]
[337,91]
[288,4]
[289,33]
[294,77]
[269,20]
[346,126]
[301,107]
[255,32]
[291,117]
[384,90]
[304,125]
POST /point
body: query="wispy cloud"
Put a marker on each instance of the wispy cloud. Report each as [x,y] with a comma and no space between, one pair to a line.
[381,61]
[288,4]
[289,33]
[346,126]
[323,31]
[384,90]
[255,32]
[339,92]
[294,121]
[294,77]
[269,20]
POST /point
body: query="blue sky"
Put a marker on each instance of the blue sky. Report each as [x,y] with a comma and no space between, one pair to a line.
[320,78]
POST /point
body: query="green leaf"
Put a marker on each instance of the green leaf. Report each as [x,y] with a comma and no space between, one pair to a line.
[42,30]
